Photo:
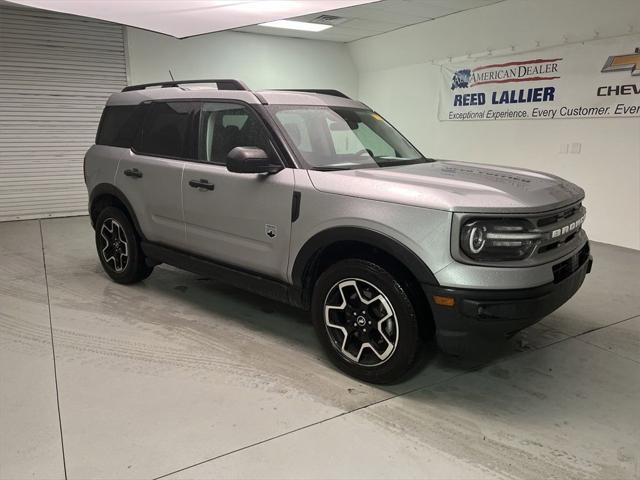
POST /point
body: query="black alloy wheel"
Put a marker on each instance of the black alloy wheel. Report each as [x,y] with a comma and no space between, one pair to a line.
[118,247]
[366,321]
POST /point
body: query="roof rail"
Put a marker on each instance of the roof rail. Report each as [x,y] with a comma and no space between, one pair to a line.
[322,91]
[225,84]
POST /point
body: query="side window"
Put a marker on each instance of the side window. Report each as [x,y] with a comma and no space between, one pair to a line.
[224,126]
[119,125]
[166,128]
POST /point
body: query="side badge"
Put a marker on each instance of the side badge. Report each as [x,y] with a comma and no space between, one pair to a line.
[271,231]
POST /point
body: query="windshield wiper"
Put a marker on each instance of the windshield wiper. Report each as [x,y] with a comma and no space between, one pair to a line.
[331,169]
[382,162]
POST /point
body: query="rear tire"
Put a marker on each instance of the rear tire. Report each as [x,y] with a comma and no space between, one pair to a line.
[118,247]
[366,321]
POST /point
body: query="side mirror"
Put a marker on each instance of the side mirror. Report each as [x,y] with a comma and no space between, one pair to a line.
[251,160]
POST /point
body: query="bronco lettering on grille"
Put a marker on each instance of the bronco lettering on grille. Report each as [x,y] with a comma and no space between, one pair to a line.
[568,228]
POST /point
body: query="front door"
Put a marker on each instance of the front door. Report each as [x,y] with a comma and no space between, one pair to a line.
[243,220]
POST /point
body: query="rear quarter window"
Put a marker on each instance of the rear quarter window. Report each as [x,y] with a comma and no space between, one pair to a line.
[119,125]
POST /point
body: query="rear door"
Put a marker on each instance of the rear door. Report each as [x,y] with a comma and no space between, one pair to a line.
[151,174]
[242,220]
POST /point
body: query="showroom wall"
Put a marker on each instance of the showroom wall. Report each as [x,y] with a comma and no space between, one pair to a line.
[399,75]
[262,61]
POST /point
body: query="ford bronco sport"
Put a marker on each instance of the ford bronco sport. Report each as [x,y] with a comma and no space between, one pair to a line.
[312,198]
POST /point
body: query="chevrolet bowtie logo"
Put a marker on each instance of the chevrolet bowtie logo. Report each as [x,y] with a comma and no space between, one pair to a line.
[618,63]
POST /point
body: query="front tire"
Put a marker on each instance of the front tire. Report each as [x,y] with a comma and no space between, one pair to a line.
[119,249]
[366,321]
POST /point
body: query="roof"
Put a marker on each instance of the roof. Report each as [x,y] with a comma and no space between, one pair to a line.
[292,97]
[229,90]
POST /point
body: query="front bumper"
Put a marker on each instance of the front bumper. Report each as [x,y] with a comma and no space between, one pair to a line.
[479,317]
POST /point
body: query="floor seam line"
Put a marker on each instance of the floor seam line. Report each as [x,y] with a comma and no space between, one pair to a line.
[53,350]
[408,392]
[590,330]
[472,370]
[575,337]
[606,326]
[319,422]
[608,351]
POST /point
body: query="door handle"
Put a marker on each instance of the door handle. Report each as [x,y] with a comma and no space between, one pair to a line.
[201,184]
[133,172]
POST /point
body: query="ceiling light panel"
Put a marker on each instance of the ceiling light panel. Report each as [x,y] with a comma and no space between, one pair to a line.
[293,25]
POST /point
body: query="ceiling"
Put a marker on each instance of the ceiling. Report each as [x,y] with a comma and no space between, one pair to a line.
[356,19]
[186,18]
[375,18]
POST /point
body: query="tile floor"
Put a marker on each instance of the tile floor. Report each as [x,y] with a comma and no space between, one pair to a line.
[181,377]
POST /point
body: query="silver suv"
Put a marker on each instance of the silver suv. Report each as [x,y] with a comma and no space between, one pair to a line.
[312,198]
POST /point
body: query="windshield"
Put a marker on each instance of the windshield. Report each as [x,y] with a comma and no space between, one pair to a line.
[336,138]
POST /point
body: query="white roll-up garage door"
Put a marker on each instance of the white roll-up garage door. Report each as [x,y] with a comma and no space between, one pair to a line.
[56,72]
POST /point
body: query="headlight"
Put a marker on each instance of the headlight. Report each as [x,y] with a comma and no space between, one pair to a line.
[498,239]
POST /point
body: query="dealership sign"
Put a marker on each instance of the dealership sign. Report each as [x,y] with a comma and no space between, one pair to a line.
[598,79]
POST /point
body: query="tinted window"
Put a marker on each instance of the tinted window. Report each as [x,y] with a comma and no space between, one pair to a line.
[224,126]
[119,125]
[165,130]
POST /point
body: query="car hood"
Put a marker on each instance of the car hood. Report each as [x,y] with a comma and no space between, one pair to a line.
[453,186]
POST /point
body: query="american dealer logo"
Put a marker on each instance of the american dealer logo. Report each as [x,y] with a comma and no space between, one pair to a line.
[539,69]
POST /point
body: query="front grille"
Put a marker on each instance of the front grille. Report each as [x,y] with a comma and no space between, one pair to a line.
[558,217]
[551,235]
[556,221]
[554,245]
[564,269]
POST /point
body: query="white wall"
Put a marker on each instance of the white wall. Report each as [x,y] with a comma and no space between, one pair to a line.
[397,78]
[393,73]
[261,61]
